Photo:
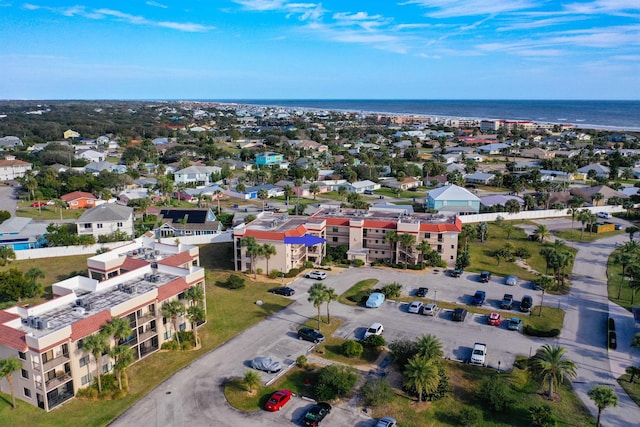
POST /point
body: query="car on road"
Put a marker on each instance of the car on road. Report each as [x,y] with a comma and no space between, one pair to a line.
[386,422]
[266,364]
[604,215]
[459,314]
[511,280]
[479,354]
[526,303]
[507,302]
[375,300]
[422,292]
[430,309]
[494,319]
[415,307]
[316,275]
[485,276]
[310,334]
[38,204]
[374,329]
[278,400]
[283,290]
[457,272]
[478,298]
[515,324]
[316,414]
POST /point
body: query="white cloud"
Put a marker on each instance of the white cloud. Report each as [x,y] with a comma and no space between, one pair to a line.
[528,23]
[261,4]
[156,4]
[456,8]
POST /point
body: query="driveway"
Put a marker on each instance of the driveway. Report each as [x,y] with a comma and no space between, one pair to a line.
[8,199]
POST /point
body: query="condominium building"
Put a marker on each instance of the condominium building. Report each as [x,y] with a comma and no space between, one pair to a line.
[130,282]
[364,233]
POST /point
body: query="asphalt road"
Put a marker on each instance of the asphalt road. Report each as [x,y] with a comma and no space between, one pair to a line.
[8,199]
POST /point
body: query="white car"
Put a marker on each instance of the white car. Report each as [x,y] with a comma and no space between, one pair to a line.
[415,307]
[430,309]
[316,275]
[479,354]
[604,215]
[374,329]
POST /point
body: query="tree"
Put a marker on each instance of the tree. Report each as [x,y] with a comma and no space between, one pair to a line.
[545,283]
[584,216]
[406,241]
[240,188]
[6,254]
[392,238]
[123,357]
[508,229]
[196,314]
[483,231]
[429,346]
[334,381]
[550,366]
[195,294]
[288,192]
[119,328]
[463,260]
[421,374]
[96,344]
[574,204]
[263,195]
[253,251]
[628,205]
[317,295]
[268,250]
[376,391]
[603,397]
[251,379]
[624,259]
[542,233]
[314,188]
[542,415]
[7,368]
[635,343]
[330,295]
[342,192]
[173,310]
[631,231]
[512,206]
[32,288]
[597,197]
[633,371]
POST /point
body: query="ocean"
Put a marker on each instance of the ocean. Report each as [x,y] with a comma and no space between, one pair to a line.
[613,115]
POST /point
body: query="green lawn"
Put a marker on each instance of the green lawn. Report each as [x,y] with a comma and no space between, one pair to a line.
[577,236]
[389,192]
[617,285]
[44,213]
[229,313]
[354,294]
[632,389]
[465,381]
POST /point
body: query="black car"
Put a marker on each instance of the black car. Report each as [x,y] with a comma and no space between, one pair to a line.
[283,290]
[309,334]
[485,276]
[316,414]
[459,314]
[456,273]
[526,303]
[422,292]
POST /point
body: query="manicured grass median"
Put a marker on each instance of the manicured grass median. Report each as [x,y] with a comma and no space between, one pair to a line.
[632,389]
[354,294]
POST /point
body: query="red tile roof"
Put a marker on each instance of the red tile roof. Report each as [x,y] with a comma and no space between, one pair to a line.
[5,316]
[392,225]
[299,231]
[77,195]
[131,264]
[177,260]
[13,338]
[172,288]
[89,325]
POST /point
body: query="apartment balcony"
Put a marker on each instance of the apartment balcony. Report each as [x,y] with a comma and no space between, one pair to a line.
[58,381]
[144,351]
[50,364]
[146,318]
[147,334]
[131,341]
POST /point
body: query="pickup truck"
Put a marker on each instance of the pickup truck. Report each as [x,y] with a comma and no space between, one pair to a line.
[507,302]
[479,354]
[478,298]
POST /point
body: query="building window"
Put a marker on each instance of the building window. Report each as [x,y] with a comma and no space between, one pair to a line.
[27,392]
[22,355]
[452,246]
[84,361]
[98,225]
[25,373]
[376,241]
[107,368]
[427,235]
[451,257]
[119,224]
[167,335]
[86,379]
[87,225]
[80,344]
[164,320]
[334,239]
[183,327]
[439,248]
[335,229]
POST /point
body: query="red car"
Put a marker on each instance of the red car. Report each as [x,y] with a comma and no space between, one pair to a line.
[494,319]
[278,400]
[38,204]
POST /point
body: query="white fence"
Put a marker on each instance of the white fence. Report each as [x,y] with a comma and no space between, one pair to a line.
[61,251]
[548,213]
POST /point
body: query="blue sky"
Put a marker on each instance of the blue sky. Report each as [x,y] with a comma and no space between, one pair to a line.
[279,49]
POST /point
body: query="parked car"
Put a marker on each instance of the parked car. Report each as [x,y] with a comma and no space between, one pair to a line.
[386,422]
[374,329]
[511,280]
[375,300]
[278,400]
[316,275]
[430,309]
[266,364]
[515,324]
[478,298]
[456,272]
[526,303]
[422,292]
[507,302]
[604,215]
[494,319]
[310,334]
[415,307]
[485,276]
[459,314]
[38,204]
[283,290]
[316,414]
[479,354]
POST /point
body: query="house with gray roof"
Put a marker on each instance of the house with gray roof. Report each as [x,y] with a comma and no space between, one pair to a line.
[105,219]
[10,142]
[492,148]
[499,199]
[479,178]
[21,233]
[597,168]
[196,175]
[452,198]
[97,167]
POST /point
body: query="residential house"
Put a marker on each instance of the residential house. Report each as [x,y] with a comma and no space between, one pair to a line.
[71,134]
[479,178]
[10,143]
[587,194]
[187,222]
[11,168]
[91,156]
[196,175]
[106,219]
[499,199]
[269,158]
[362,186]
[79,200]
[97,167]
[131,282]
[598,169]
[453,199]
[22,233]
[493,149]
[403,184]
[537,153]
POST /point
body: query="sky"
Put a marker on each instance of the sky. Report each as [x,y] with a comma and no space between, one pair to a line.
[334,49]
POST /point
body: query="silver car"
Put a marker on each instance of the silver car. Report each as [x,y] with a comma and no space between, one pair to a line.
[511,280]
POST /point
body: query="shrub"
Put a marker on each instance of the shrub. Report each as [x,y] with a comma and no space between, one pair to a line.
[292,273]
[234,282]
[307,264]
[523,253]
[542,416]
[392,290]
[402,350]
[90,393]
[443,387]
[258,270]
[170,345]
[521,362]
[301,361]
[543,333]
[351,348]
[374,341]
[376,391]
[274,274]
[469,416]
[334,381]
[496,393]
[358,263]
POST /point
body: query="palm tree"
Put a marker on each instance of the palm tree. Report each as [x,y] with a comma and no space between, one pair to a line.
[508,228]
[624,259]
[584,216]
[119,328]
[633,371]
[429,346]
[631,230]
[288,192]
[96,344]
[254,250]
[635,343]
[263,195]
[483,231]
[342,192]
[406,241]
[6,253]
[123,357]
[7,368]
[218,193]
[421,373]
[628,205]
[392,238]
[603,397]
[549,365]
[195,294]
[597,197]
[173,310]
[251,379]
[268,250]
[33,288]
[542,233]
[196,314]
[314,188]
[317,295]
[330,295]
[545,283]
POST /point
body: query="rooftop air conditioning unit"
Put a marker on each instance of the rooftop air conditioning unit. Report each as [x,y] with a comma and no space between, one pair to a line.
[154,265]
[88,306]
[79,310]
[25,321]
[79,302]
[34,322]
